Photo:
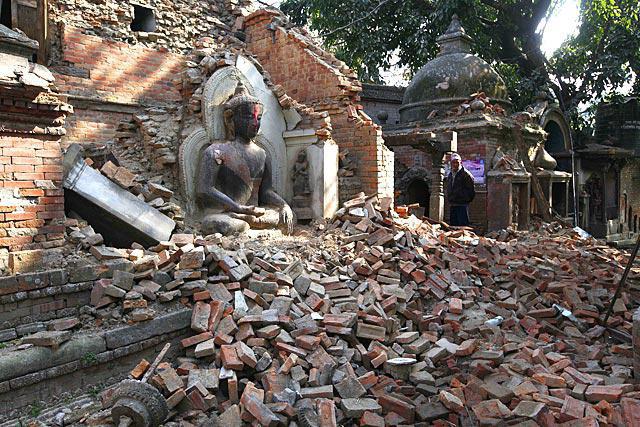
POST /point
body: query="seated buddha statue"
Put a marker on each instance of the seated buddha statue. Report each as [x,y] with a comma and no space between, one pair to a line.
[234,190]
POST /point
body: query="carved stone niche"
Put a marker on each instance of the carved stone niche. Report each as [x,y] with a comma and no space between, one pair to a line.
[278,136]
[322,174]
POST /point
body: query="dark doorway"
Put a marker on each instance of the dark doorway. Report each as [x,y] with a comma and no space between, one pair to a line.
[143,19]
[555,139]
[418,192]
[5,13]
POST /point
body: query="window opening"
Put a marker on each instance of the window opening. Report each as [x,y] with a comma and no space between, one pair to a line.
[143,19]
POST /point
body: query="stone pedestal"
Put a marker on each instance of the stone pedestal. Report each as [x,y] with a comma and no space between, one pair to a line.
[499,201]
[505,190]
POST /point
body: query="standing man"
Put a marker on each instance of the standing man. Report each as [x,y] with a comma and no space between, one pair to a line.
[460,191]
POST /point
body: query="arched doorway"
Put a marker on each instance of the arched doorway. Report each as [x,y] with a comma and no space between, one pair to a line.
[418,192]
[413,187]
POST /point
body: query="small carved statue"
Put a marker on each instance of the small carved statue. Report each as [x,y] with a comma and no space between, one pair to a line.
[234,187]
[593,187]
[301,175]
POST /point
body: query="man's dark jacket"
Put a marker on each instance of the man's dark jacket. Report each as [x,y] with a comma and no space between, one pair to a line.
[460,191]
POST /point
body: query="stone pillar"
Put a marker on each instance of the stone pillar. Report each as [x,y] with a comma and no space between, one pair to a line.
[323,178]
[436,200]
[636,346]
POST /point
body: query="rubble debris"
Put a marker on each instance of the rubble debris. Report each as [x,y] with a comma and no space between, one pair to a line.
[395,320]
[477,102]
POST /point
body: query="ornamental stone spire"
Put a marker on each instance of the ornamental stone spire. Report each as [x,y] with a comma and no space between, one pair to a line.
[455,39]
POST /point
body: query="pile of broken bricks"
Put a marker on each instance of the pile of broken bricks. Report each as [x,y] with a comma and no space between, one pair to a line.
[395,321]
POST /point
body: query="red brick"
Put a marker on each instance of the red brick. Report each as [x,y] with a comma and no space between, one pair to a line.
[630,411]
[196,339]
[55,176]
[15,241]
[18,152]
[28,143]
[49,153]
[19,184]
[28,176]
[26,160]
[50,214]
[54,207]
[34,208]
[20,216]
[32,223]
[19,168]
[48,168]
[455,306]
[610,393]
[48,200]
[572,409]
[229,357]
[393,404]
[31,192]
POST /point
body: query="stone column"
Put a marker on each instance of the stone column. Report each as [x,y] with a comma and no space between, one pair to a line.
[636,346]
[436,200]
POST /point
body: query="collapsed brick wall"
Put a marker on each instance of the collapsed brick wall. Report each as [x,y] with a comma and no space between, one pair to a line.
[316,78]
[97,55]
[178,22]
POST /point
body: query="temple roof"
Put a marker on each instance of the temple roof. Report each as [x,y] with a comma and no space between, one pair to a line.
[451,78]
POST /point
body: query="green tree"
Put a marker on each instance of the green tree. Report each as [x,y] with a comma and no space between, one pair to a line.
[369,34]
[601,60]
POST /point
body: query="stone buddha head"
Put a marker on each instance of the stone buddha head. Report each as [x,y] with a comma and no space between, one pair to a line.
[242,115]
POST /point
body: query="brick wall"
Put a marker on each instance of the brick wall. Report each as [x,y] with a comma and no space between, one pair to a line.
[92,126]
[31,195]
[178,22]
[316,78]
[32,201]
[410,157]
[113,73]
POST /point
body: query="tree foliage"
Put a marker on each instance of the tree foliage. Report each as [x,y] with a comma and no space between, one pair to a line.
[597,62]
[602,59]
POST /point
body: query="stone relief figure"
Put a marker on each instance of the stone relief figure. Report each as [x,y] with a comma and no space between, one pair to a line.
[234,190]
[515,210]
[593,187]
[301,175]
